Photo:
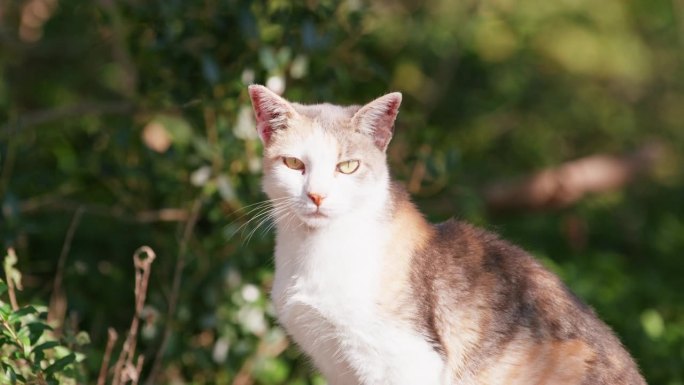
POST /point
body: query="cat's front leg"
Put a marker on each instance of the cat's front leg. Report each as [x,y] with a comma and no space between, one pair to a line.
[397,359]
[335,369]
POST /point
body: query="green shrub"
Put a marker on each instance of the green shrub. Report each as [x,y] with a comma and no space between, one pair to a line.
[29,351]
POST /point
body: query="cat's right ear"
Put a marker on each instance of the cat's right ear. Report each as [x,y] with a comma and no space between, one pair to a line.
[271,111]
[377,118]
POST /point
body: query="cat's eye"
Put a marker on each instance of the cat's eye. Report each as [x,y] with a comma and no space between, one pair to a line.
[348,166]
[293,163]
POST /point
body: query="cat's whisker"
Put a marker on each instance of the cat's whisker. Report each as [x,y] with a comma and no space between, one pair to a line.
[264,208]
[265,217]
[299,224]
[254,212]
[262,221]
[264,211]
[288,216]
[257,206]
[265,201]
[278,217]
[256,219]
[273,224]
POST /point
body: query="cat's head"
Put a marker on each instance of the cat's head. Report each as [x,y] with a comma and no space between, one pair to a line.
[324,162]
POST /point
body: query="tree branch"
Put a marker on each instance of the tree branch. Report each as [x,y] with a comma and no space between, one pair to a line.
[175,289]
[35,118]
[58,301]
[170,214]
[566,184]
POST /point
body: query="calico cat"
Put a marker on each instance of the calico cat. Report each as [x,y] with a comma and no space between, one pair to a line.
[374,294]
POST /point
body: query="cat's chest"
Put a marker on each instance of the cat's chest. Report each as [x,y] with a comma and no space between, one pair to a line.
[327,294]
[332,278]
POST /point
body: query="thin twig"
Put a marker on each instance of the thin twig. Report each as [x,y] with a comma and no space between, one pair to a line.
[10,281]
[138,370]
[175,289]
[112,336]
[53,202]
[85,108]
[7,166]
[57,308]
[143,267]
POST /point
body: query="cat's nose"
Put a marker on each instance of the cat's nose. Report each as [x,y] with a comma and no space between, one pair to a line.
[317,199]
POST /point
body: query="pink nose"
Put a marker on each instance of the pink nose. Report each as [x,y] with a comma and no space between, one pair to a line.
[317,199]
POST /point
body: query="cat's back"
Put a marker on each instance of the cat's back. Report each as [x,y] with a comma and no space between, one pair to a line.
[498,316]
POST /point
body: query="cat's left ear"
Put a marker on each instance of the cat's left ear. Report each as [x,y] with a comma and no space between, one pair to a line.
[271,111]
[377,118]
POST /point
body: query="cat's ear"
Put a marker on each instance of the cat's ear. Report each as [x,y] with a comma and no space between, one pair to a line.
[377,118]
[272,112]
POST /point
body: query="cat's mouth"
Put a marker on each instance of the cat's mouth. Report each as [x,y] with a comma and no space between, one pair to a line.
[316,214]
[315,218]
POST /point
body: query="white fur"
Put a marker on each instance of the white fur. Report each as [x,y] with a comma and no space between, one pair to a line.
[374,114]
[328,270]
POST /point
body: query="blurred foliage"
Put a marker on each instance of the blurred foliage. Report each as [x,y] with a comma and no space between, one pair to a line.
[29,351]
[133,110]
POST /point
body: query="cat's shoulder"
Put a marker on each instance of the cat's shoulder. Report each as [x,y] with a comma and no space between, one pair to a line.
[482,257]
[461,239]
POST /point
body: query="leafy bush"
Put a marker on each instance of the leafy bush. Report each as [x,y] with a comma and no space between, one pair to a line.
[136,115]
[29,351]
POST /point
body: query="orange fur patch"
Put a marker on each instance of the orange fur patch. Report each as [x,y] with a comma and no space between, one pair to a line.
[409,233]
[525,362]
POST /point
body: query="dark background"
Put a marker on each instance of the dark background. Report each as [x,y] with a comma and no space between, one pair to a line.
[128,119]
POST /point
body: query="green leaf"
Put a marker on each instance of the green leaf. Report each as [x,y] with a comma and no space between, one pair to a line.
[10,340]
[26,310]
[3,287]
[26,343]
[10,375]
[45,345]
[36,330]
[5,311]
[60,364]
[82,338]
[39,326]
[38,356]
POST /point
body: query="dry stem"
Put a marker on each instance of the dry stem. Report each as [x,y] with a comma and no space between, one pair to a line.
[142,275]
[57,309]
[112,336]
[175,289]
[10,282]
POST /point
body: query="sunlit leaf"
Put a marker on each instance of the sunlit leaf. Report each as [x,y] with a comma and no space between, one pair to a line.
[653,323]
[45,345]
[60,364]
[17,315]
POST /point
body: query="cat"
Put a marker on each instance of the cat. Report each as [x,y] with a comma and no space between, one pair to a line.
[374,294]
